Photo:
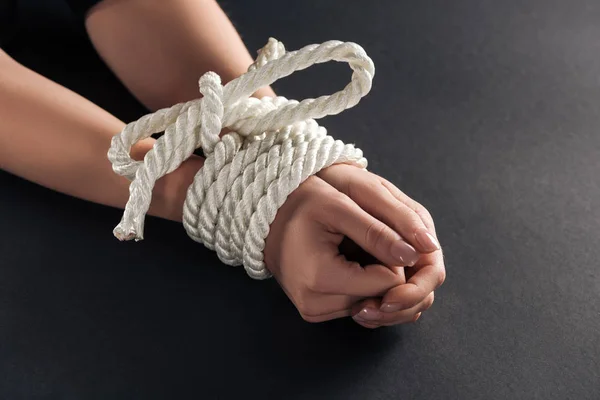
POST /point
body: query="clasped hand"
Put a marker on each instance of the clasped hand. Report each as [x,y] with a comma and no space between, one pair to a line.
[343,201]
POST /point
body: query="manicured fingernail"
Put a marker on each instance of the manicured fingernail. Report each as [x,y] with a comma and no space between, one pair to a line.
[417,317]
[368,314]
[427,240]
[391,307]
[404,253]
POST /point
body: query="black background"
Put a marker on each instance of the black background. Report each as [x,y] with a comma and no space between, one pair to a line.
[487,112]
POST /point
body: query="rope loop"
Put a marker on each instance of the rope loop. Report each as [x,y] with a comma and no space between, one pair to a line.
[274,145]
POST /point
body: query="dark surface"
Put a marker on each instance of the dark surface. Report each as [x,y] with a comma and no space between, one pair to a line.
[485,111]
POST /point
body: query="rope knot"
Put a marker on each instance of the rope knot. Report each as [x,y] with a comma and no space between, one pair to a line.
[274,145]
[211,111]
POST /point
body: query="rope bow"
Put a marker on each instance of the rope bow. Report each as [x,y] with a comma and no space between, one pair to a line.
[274,145]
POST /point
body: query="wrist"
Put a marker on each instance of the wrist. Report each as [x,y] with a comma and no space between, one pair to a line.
[169,193]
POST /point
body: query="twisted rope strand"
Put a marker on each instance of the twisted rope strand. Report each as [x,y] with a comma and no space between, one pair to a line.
[274,146]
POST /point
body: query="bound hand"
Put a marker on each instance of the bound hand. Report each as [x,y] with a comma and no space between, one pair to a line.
[302,249]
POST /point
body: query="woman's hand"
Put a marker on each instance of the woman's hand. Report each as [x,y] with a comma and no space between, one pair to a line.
[414,223]
[302,250]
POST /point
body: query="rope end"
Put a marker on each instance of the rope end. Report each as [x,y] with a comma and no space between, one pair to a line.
[209,79]
[126,232]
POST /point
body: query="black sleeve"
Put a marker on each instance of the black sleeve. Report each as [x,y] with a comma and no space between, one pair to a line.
[81,7]
[8,17]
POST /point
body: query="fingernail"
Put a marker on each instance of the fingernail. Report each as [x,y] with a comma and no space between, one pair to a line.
[391,307]
[404,253]
[427,240]
[368,314]
[417,317]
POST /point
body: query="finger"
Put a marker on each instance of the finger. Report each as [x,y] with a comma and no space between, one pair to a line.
[368,191]
[372,235]
[318,307]
[413,204]
[401,273]
[366,313]
[426,278]
[404,219]
[410,315]
[351,279]
[326,316]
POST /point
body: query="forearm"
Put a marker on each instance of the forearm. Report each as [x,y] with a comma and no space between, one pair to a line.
[159,48]
[59,140]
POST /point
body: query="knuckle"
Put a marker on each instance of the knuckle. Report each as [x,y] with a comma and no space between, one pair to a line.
[388,185]
[409,215]
[372,185]
[375,234]
[361,184]
[340,200]
[423,212]
[350,188]
[317,282]
[334,203]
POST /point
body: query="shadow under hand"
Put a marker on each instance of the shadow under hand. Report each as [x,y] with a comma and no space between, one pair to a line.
[319,355]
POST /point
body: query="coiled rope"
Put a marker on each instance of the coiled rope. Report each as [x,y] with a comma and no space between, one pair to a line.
[275,145]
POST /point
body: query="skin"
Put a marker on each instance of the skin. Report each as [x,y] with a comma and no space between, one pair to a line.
[148,47]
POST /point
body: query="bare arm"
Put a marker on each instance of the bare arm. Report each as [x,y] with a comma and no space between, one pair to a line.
[56,138]
[159,48]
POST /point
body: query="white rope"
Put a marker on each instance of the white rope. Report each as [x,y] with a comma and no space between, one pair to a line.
[275,145]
